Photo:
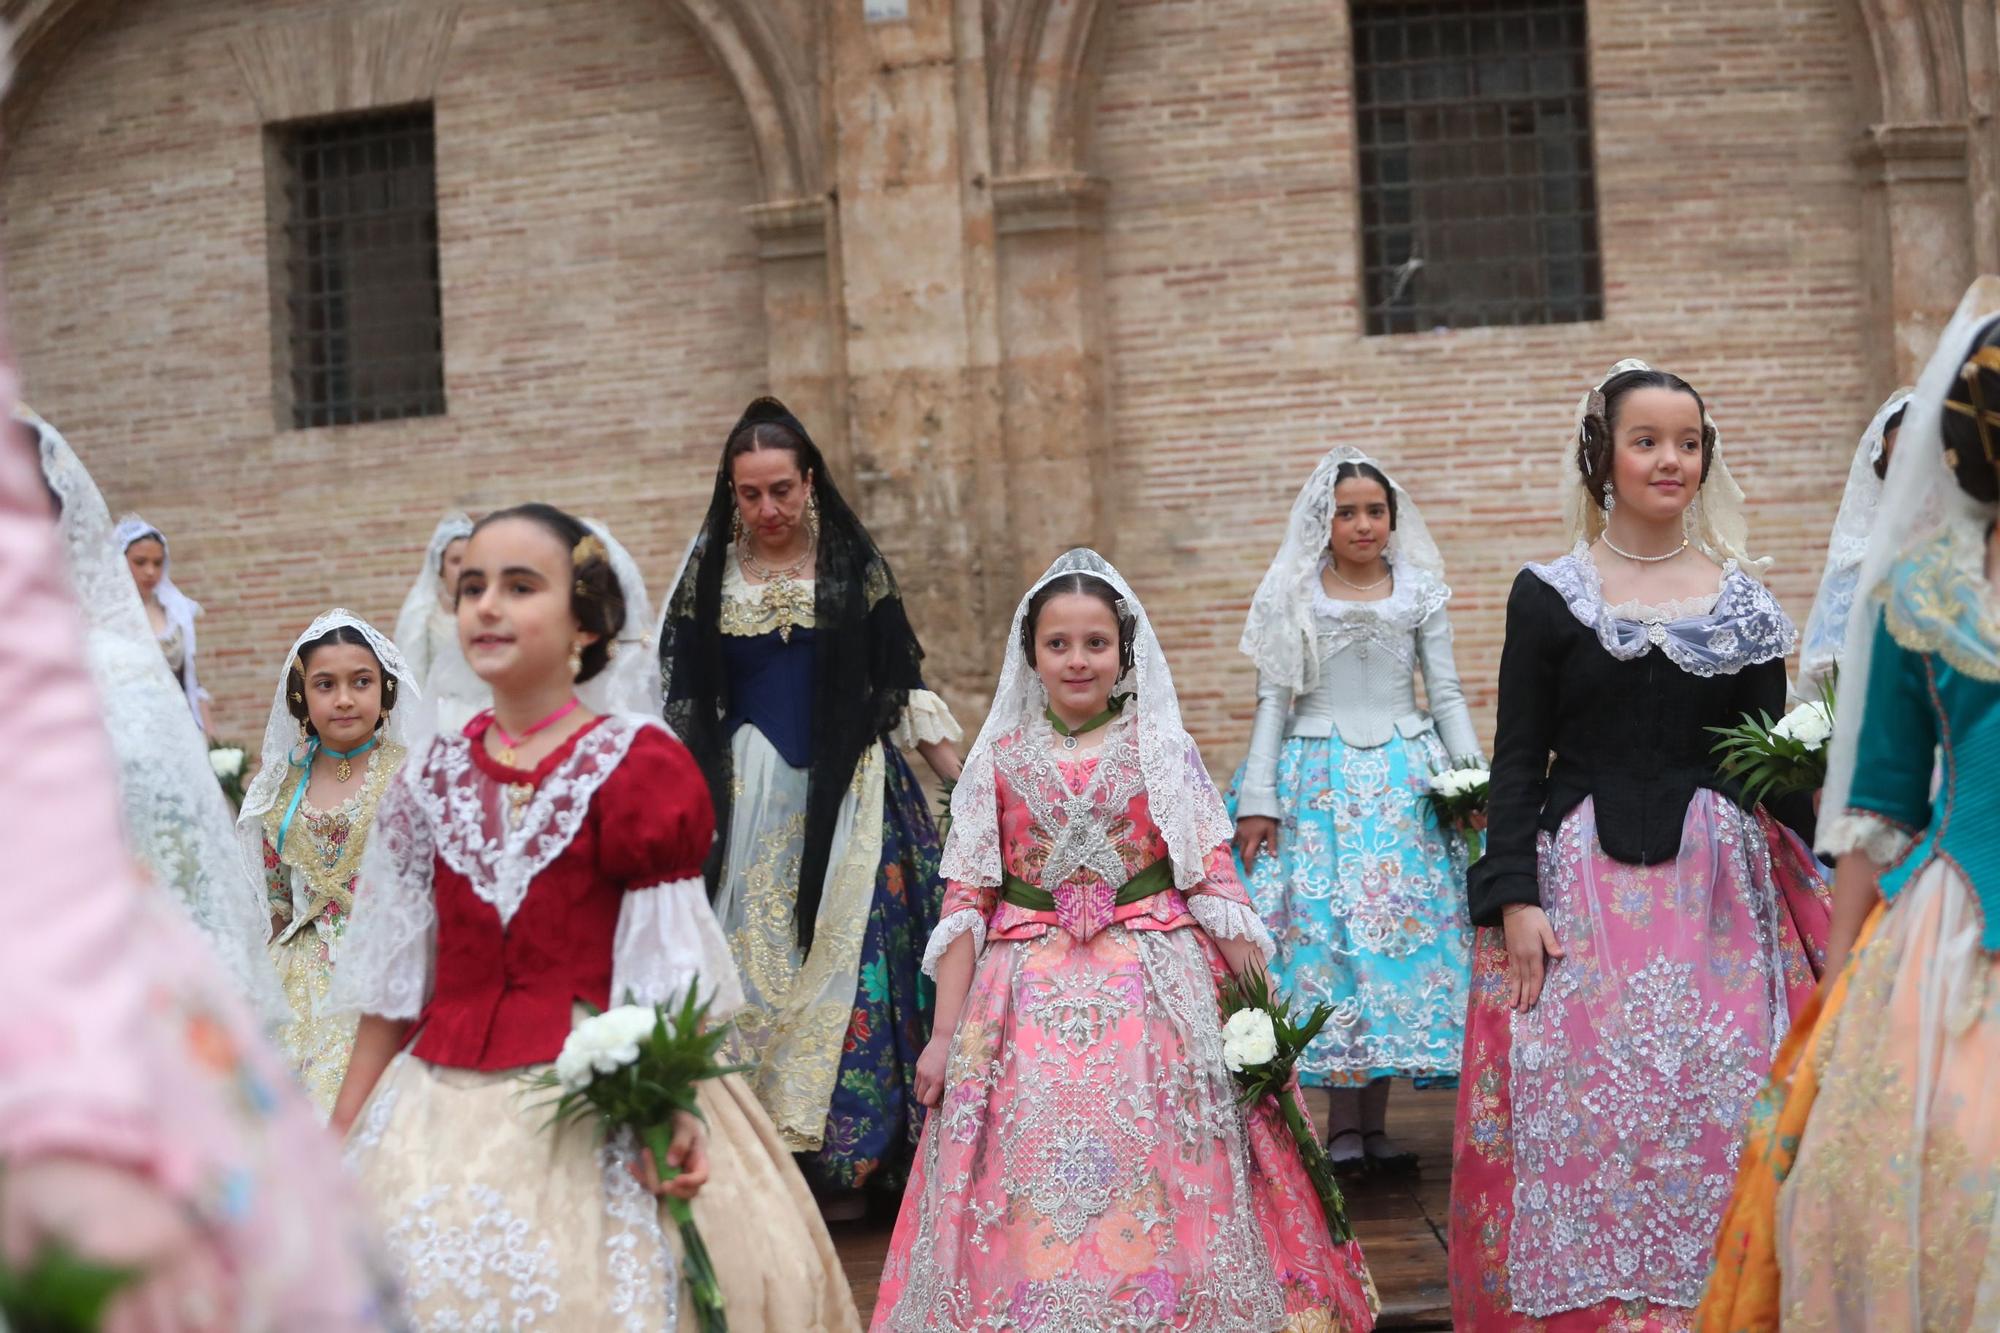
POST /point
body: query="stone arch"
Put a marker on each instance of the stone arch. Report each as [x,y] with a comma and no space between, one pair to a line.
[1047,54]
[746,39]
[1919,58]
[750,42]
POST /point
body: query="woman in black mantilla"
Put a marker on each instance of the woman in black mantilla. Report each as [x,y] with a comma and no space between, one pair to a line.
[793,675]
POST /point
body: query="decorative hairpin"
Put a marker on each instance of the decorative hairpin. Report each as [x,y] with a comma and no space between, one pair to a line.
[587,550]
[1983,417]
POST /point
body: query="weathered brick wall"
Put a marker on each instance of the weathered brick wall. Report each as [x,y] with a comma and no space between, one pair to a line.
[603,314]
[604,311]
[1732,254]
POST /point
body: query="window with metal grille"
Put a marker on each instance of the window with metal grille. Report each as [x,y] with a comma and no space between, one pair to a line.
[1478,199]
[355,221]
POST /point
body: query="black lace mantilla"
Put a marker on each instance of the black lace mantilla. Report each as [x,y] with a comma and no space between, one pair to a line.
[867,660]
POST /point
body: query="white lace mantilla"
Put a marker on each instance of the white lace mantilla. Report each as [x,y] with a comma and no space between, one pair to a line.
[1744,625]
[1179,793]
[1390,623]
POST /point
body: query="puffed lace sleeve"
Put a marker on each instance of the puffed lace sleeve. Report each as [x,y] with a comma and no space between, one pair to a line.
[926,720]
[384,962]
[1222,905]
[656,828]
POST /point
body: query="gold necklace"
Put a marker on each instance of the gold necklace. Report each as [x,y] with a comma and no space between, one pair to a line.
[782,586]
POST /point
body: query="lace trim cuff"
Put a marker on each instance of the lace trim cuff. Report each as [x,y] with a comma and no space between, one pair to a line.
[1877,837]
[668,938]
[958,923]
[1226,920]
[926,720]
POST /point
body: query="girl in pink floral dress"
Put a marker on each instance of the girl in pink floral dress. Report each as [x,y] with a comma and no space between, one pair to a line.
[1087,1165]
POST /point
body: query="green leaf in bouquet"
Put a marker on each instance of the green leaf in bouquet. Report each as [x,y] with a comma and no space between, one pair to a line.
[59,1292]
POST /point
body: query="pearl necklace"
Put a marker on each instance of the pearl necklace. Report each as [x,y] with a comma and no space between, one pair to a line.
[1334,570]
[1615,549]
[763,573]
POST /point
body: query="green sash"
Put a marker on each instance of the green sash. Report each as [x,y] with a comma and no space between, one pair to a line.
[1155,878]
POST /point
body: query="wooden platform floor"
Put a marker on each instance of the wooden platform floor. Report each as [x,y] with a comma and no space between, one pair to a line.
[1401,1223]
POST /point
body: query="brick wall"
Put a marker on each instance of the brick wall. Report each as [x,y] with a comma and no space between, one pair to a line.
[604,310]
[1732,255]
[603,313]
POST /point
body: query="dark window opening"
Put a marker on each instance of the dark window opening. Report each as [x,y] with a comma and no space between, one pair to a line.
[357,221]
[1478,195]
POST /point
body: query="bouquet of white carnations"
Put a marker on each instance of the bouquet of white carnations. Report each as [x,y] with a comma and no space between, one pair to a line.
[1778,758]
[1261,1045]
[1459,795]
[226,762]
[635,1067]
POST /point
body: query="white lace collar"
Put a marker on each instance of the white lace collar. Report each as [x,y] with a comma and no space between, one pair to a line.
[1742,627]
[467,809]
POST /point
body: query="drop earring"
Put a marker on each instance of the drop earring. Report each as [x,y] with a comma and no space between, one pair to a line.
[575,660]
[736,529]
[812,516]
[1610,500]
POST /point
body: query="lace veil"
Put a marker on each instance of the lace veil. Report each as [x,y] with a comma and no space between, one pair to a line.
[1920,500]
[413,624]
[1182,797]
[176,817]
[283,752]
[1826,627]
[1715,520]
[181,609]
[630,682]
[1279,633]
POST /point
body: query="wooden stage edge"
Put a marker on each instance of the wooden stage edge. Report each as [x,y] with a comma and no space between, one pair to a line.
[1401,1223]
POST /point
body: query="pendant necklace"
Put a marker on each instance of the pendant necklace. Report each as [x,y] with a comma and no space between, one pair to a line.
[783,583]
[1615,549]
[1069,733]
[519,792]
[344,769]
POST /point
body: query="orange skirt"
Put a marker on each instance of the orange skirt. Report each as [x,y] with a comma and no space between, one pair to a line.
[1742,1293]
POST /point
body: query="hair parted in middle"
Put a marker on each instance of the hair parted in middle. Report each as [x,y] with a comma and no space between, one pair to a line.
[1600,422]
[295,676]
[1088,585]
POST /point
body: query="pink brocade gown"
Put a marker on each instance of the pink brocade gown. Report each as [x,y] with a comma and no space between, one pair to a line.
[1598,1135]
[1089,1167]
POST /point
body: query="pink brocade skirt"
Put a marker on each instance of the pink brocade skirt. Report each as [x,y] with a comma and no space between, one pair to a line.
[1089,1167]
[1598,1135]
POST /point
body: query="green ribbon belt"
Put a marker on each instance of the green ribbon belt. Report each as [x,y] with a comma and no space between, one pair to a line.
[1155,878]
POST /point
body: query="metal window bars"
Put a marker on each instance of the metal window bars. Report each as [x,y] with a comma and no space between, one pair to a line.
[1477,191]
[366,330]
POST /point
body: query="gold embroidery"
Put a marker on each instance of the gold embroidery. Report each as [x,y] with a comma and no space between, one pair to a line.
[324,846]
[783,607]
[876,583]
[798,1013]
[1939,605]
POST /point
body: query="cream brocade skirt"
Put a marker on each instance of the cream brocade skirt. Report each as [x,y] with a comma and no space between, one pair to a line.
[1887,1221]
[316,1045]
[492,1220]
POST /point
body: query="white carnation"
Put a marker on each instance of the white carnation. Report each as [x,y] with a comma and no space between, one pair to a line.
[1454,782]
[605,1043]
[226,761]
[1248,1040]
[1811,725]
